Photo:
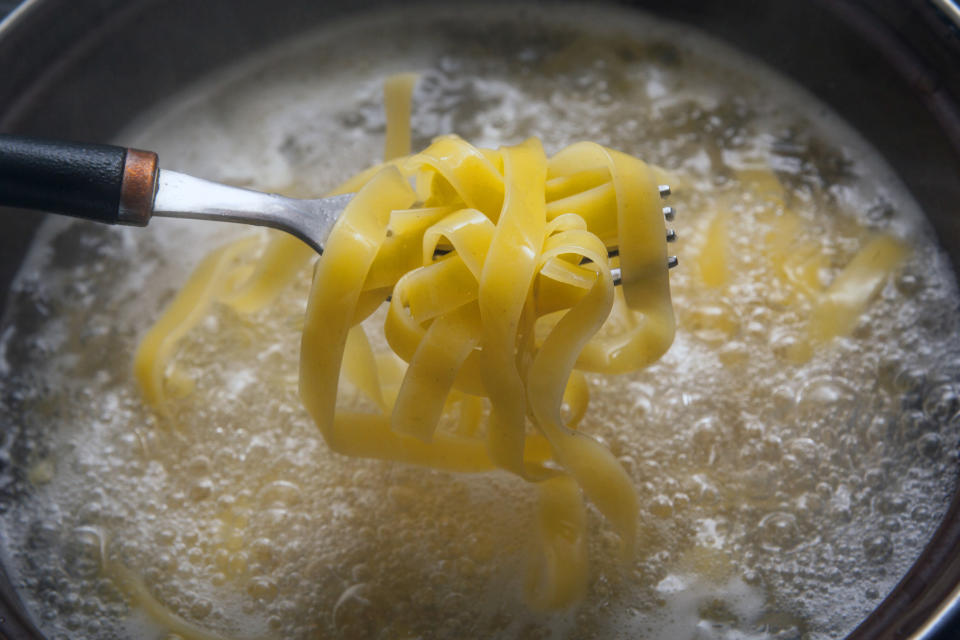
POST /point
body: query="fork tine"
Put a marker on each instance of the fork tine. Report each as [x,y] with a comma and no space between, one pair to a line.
[672,262]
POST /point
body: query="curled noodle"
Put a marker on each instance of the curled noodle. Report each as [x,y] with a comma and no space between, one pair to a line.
[496,267]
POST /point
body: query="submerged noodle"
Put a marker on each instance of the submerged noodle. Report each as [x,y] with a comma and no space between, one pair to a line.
[496,267]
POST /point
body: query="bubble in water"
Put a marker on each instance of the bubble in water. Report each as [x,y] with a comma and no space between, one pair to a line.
[783,400]
[201,489]
[42,535]
[806,452]
[779,531]
[661,506]
[262,550]
[930,445]
[913,424]
[830,399]
[942,403]
[909,382]
[808,505]
[706,436]
[199,465]
[734,353]
[280,493]
[787,345]
[890,504]
[262,589]
[165,537]
[762,480]
[713,323]
[877,547]
[200,608]
[910,283]
[82,553]
[891,523]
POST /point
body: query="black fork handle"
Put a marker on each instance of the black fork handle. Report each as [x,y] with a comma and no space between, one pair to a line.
[97,182]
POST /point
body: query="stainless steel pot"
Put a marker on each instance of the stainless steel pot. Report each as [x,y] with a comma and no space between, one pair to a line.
[891,68]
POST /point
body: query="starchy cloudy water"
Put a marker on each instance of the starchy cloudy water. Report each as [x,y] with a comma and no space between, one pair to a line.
[778,500]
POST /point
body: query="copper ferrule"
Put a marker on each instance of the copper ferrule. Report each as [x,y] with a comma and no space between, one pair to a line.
[139,187]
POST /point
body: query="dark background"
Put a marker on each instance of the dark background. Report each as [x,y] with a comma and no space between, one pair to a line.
[6,6]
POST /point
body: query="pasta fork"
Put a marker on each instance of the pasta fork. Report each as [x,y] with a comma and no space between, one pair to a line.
[117,185]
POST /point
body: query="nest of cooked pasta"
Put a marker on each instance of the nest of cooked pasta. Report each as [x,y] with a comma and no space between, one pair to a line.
[495,264]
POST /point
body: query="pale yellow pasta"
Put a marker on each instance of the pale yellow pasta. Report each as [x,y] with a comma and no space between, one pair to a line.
[833,297]
[842,304]
[397,98]
[554,575]
[187,309]
[140,594]
[499,281]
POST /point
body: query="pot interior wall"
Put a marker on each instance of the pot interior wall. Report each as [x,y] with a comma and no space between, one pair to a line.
[126,56]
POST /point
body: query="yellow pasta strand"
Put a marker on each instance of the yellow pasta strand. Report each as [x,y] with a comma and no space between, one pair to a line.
[504,288]
[351,248]
[471,174]
[138,592]
[713,259]
[186,310]
[843,302]
[360,366]
[432,371]
[397,101]
[594,466]
[576,396]
[555,579]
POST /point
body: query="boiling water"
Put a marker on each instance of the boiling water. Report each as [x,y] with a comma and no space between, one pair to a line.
[779,500]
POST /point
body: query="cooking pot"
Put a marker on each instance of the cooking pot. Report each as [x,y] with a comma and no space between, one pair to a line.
[891,68]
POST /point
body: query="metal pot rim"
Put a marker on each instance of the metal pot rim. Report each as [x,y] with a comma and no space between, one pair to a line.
[926,602]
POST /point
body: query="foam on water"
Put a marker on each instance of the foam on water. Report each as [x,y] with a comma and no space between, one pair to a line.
[778,500]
